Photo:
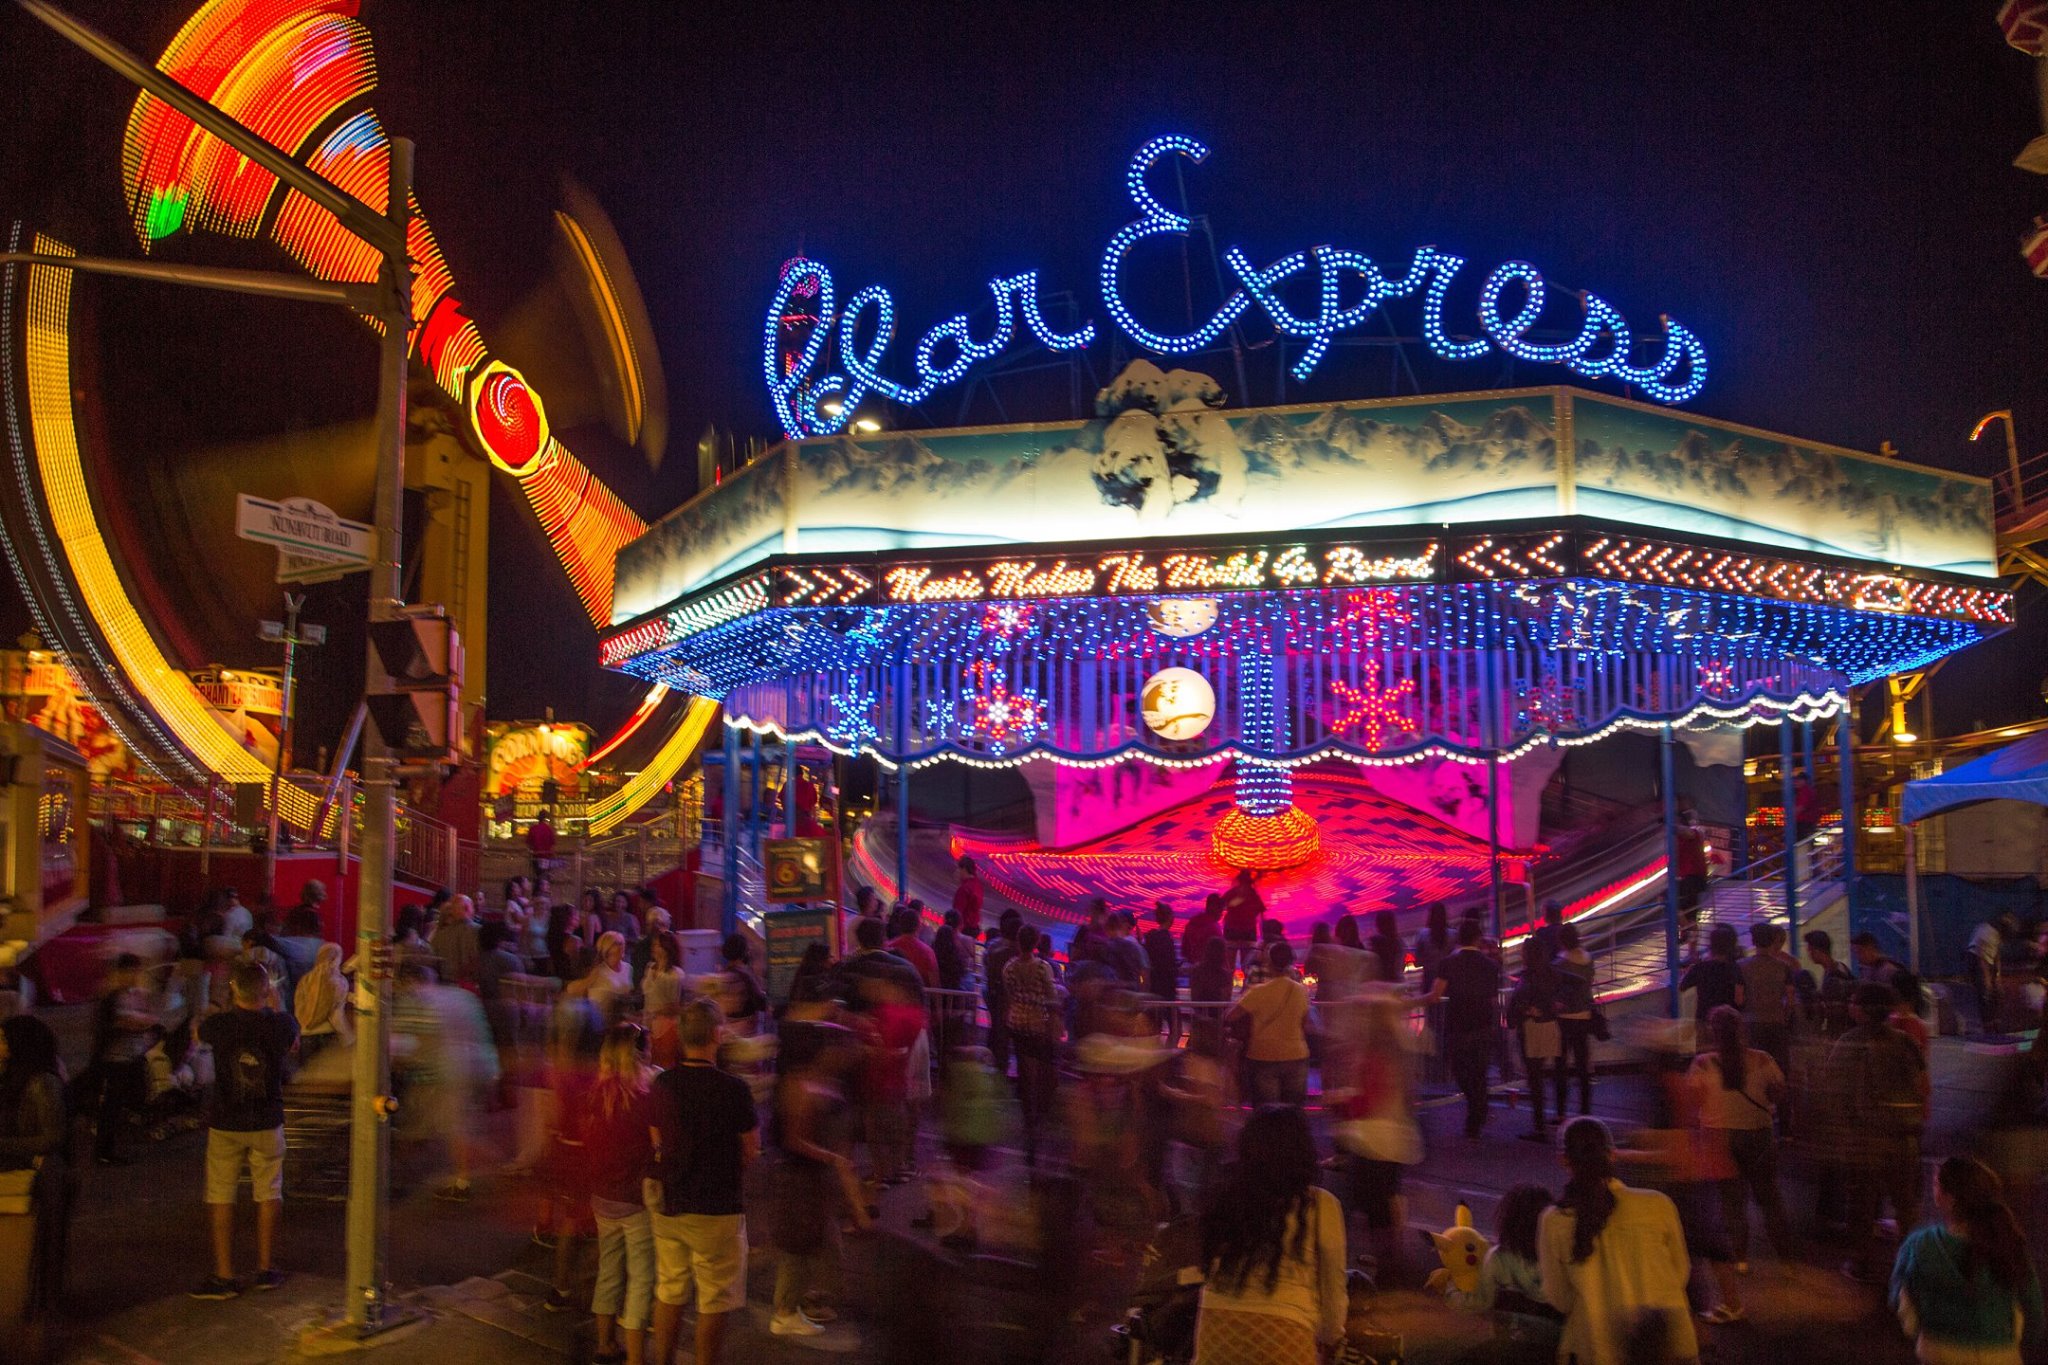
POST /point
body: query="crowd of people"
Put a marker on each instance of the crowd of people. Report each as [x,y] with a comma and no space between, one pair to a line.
[1152,1073]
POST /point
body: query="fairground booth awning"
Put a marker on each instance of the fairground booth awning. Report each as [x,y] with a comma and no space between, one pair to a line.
[2018,772]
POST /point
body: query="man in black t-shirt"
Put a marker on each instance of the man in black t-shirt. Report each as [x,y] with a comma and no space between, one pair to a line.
[1468,982]
[705,1133]
[245,1124]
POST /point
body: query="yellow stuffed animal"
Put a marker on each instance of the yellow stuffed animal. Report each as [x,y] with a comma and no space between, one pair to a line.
[1462,1249]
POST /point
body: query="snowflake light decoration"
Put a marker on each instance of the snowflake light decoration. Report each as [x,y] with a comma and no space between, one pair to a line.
[992,715]
[1718,680]
[853,717]
[1375,711]
[1367,616]
[1547,705]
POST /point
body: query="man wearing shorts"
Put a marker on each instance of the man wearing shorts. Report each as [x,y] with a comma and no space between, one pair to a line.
[245,1123]
[704,1133]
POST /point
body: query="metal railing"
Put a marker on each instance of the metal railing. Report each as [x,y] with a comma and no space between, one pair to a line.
[2021,494]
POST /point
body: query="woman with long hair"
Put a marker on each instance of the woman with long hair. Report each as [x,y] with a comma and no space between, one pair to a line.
[568,958]
[1511,1279]
[1738,1089]
[1716,979]
[814,1181]
[1611,1254]
[661,995]
[616,1144]
[1272,1251]
[1965,1287]
[1532,1013]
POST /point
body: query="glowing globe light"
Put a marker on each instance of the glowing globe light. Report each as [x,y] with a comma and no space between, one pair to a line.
[1182,617]
[1177,703]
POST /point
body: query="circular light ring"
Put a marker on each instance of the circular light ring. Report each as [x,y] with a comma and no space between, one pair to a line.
[508,420]
[1265,842]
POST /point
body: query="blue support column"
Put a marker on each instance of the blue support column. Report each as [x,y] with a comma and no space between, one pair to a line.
[729,833]
[757,816]
[1845,736]
[1670,870]
[1785,795]
[902,782]
[1490,729]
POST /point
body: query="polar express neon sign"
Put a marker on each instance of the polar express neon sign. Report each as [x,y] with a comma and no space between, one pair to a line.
[1603,347]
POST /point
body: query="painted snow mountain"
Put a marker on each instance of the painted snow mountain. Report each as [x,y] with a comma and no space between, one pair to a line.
[1659,469]
[1162,458]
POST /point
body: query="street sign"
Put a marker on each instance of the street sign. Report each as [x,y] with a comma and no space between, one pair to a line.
[296,569]
[306,530]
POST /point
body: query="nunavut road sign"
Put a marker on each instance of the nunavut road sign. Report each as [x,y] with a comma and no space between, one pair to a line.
[306,530]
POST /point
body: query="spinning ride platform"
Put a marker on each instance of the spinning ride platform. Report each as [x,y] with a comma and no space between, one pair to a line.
[1445,581]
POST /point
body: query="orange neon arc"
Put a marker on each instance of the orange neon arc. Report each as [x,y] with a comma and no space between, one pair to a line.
[286,69]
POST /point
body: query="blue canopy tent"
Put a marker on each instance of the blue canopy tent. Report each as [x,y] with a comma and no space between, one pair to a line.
[2018,772]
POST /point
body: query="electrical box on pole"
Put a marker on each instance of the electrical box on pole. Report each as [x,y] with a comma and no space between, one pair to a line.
[414,693]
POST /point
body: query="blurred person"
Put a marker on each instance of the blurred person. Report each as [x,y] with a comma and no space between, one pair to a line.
[1738,1088]
[455,941]
[1278,1047]
[889,1030]
[1715,979]
[968,896]
[996,956]
[742,999]
[1271,935]
[1118,1131]
[124,1027]
[1544,937]
[871,960]
[501,1009]
[1340,963]
[1048,955]
[1272,1252]
[1872,963]
[662,991]
[235,918]
[1207,924]
[1390,954]
[1878,1087]
[906,944]
[1435,943]
[814,966]
[1121,953]
[1243,910]
[1981,958]
[441,1035]
[1468,985]
[245,1125]
[813,1181]
[540,843]
[1768,993]
[1576,1023]
[951,953]
[1376,1128]
[576,1037]
[299,942]
[1162,968]
[1610,1252]
[1837,984]
[608,984]
[616,1123]
[567,957]
[1906,1009]
[1034,1016]
[35,1133]
[705,1135]
[1532,1014]
[321,1005]
[1965,1287]
[621,918]
[1209,983]
[1694,863]
[1087,941]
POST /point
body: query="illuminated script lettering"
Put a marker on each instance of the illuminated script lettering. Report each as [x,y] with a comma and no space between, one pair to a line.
[1345,289]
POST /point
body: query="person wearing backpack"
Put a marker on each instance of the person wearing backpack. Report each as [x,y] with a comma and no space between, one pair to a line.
[1878,1087]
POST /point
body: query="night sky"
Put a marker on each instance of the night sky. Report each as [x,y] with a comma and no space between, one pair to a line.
[1827,201]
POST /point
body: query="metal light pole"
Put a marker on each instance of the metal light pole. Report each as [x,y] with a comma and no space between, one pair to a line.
[389,300]
[287,631]
[1670,785]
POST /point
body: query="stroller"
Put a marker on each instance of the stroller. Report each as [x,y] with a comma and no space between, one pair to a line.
[1159,1326]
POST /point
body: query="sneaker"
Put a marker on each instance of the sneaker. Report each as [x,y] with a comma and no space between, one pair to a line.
[558,1302]
[214,1287]
[267,1279]
[794,1325]
[820,1312]
[114,1160]
[456,1191]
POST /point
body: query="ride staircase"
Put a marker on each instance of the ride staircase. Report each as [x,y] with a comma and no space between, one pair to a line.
[1628,943]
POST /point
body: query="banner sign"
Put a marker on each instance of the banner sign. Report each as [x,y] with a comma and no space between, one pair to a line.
[1312,296]
[789,933]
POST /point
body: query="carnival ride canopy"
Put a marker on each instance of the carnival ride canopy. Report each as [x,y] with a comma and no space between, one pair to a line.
[2018,772]
[1456,576]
